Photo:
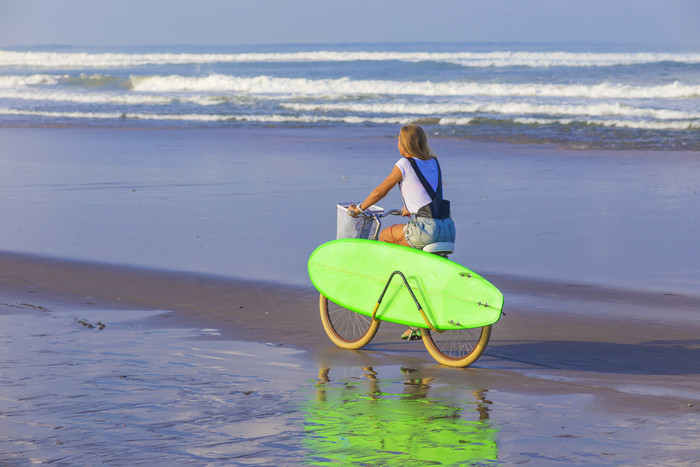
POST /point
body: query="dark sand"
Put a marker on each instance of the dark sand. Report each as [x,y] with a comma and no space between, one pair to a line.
[561,387]
[538,343]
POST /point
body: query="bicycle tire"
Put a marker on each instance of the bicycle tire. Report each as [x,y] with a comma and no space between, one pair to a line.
[457,347]
[346,328]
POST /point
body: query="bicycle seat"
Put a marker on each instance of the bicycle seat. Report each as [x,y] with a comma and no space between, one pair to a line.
[440,248]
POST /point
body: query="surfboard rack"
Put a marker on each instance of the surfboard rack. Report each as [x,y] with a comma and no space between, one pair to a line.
[415,300]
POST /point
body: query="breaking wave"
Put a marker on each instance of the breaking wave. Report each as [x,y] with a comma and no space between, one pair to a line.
[274,85]
[601,98]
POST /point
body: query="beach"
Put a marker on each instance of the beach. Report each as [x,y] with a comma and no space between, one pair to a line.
[156,307]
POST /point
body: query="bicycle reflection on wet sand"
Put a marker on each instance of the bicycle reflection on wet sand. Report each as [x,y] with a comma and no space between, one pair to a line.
[359,420]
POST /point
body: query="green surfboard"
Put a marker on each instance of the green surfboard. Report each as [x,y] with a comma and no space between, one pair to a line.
[353,273]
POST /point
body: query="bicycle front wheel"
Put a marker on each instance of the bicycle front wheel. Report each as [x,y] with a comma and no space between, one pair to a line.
[346,328]
[457,347]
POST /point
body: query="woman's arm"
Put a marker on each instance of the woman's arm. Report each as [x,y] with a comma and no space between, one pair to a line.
[380,191]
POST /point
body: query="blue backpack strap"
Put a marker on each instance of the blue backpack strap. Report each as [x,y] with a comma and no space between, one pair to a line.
[424,181]
[438,208]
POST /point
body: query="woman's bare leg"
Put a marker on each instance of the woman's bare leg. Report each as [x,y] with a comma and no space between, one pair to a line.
[393,234]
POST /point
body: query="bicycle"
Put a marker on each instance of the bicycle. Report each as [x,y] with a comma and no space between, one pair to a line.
[350,330]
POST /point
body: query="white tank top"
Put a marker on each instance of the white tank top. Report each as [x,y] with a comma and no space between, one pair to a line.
[414,195]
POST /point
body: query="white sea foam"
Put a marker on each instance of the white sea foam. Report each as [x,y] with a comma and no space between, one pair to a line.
[116,115]
[261,118]
[635,124]
[347,86]
[246,94]
[86,98]
[516,108]
[468,59]
[353,119]
[323,87]
[15,81]
[270,85]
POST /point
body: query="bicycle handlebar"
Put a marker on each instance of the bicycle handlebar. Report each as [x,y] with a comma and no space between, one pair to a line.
[376,216]
[393,212]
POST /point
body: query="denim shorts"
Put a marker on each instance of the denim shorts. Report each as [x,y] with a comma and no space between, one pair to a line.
[424,230]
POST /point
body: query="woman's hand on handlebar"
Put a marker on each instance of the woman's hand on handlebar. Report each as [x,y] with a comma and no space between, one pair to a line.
[353,210]
[404,212]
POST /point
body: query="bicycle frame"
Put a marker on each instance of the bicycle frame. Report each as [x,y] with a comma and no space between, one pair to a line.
[413,295]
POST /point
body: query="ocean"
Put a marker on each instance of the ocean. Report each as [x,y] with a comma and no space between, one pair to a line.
[609,97]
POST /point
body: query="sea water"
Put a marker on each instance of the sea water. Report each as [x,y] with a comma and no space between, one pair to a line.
[608,96]
[255,145]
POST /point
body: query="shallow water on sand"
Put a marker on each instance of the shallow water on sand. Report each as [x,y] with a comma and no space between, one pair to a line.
[100,387]
[74,392]
[128,394]
[255,204]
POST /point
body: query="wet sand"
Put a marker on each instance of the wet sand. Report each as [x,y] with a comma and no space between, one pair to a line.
[563,387]
[212,351]
[546,325]
[254,203]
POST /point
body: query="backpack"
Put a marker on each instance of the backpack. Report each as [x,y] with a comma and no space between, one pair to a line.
[438,208]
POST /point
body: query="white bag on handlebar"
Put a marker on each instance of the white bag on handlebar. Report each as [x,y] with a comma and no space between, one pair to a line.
[355,227]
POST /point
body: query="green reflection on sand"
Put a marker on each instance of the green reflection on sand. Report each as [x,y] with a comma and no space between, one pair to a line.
[355,421]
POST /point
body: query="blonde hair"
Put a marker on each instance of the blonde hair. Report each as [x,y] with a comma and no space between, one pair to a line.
[415,142]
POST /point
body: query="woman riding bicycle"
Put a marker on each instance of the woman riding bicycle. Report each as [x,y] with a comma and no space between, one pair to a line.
[430,220]
[420,181]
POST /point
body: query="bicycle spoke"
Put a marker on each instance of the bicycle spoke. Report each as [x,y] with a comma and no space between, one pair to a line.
[457,347]
[346,328]
[458,343]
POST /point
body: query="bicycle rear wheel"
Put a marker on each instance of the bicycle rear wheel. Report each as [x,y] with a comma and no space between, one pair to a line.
[346,328]
[457,347]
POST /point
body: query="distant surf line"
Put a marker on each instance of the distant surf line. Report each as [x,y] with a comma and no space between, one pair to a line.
[356,119]
[271,85]
[505,58]
[326,105]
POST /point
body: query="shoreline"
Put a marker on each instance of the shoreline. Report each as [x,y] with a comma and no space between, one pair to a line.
[538,332]
[375,130]
[76,277]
